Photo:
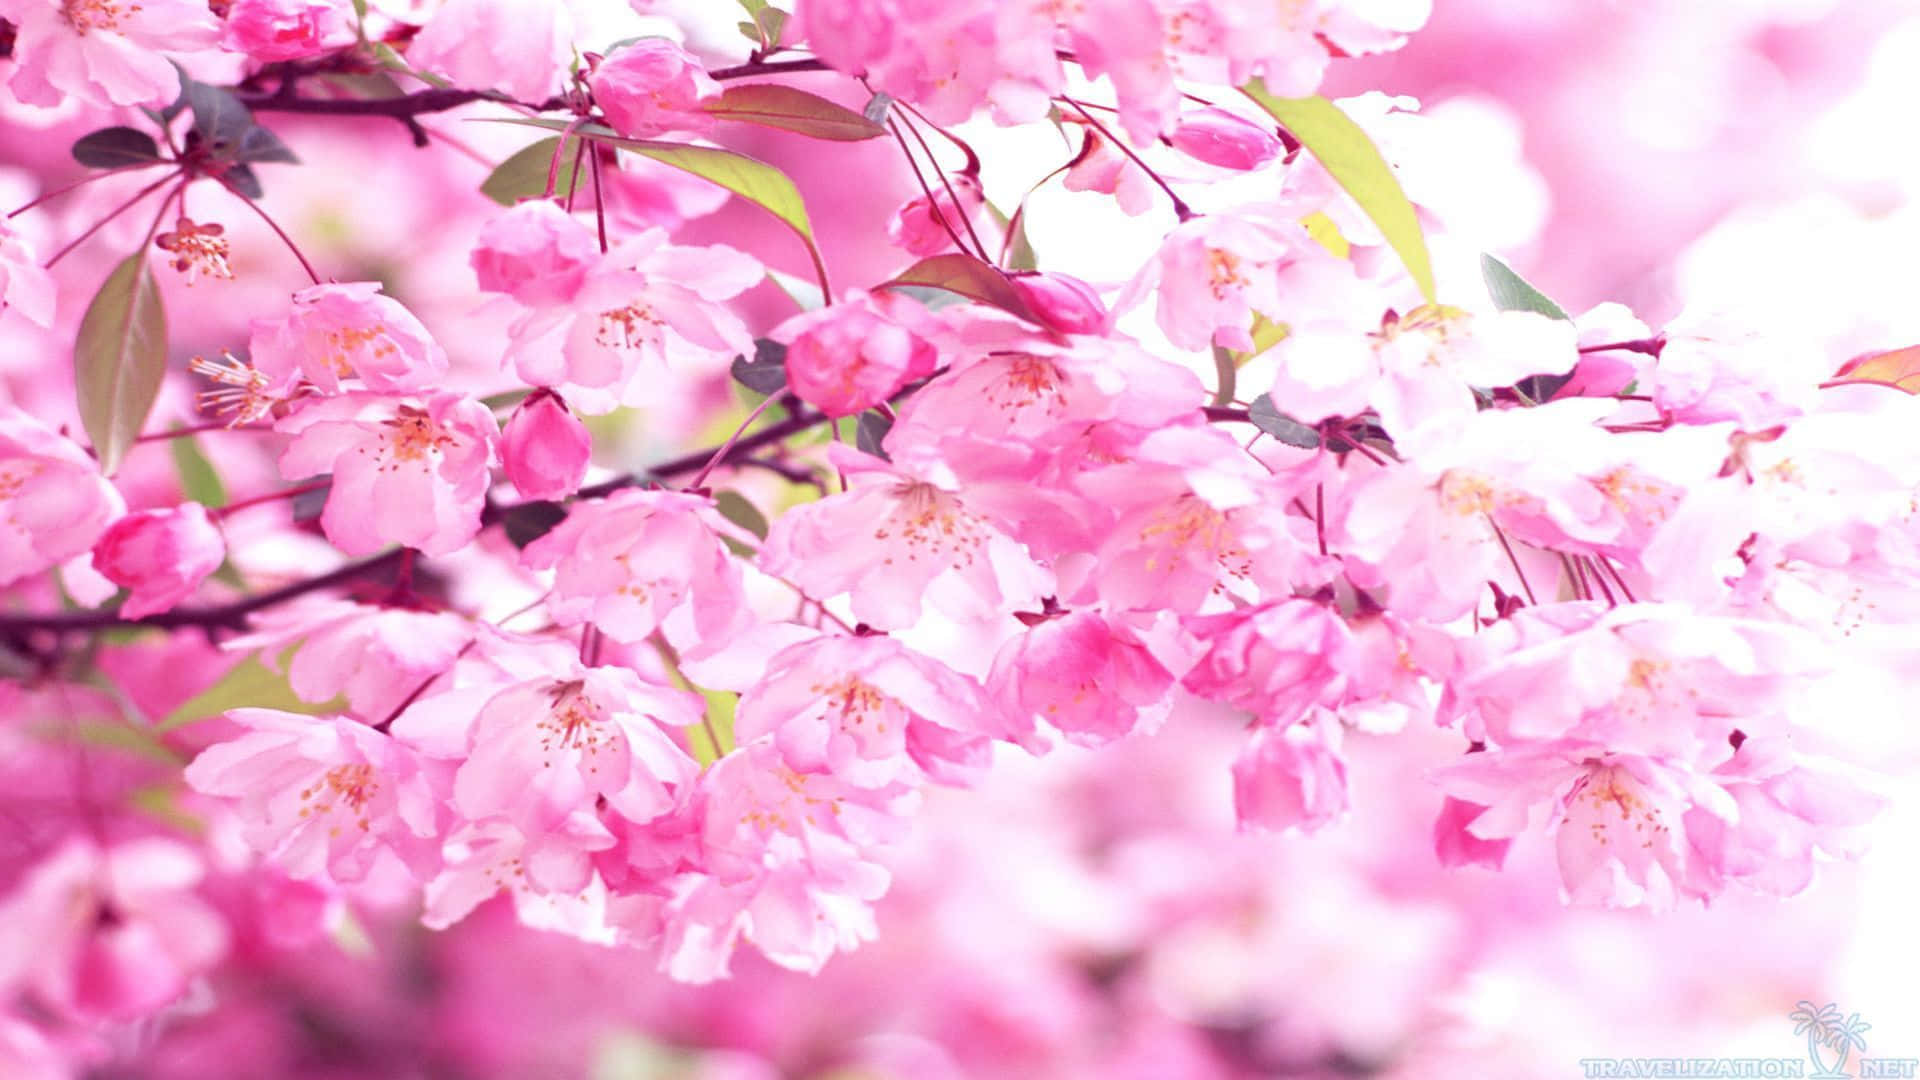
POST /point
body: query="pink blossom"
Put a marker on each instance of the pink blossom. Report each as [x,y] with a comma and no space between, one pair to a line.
[54,504]
[1277,660]
[25,288]
[103,52]
[536,252]
[1221,138]
[1787,811]
[652,86]
[638,561]
[545,448]
[324,797]
[871,712]
[1455,844]
[927,226]
[337,332]
[1215,272]
[376,656]
[897,541]
[1088,676]
[1103,167]
[948,58]
[521,47]
[162,555]
[1291,777]
[274,30]
[1062,302]
[644,305]
[409,471]
[109,934]
[857,353]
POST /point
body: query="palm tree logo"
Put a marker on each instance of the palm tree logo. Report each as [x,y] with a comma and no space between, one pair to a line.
[1826,1033]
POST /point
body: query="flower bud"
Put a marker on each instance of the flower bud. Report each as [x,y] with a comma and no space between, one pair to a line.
[1218,137]
[546,448]
[917,226]
[653,86]
[857,353]
[1062,302]
[274,30]
[162,555]
[536,253]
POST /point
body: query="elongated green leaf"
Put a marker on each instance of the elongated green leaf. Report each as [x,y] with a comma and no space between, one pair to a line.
[119,357]
[967,276]
[198,478]
[524,175]
[250,685]
[789,109]
[1350,157]
[1019,255]
[1268,418]
[1511,292]
[750,178]
[115,148]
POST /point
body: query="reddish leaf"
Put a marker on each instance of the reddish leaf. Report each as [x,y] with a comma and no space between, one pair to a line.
[775,106]
[1898,368]
[967,276]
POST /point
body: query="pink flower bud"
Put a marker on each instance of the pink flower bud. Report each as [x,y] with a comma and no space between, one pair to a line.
[273,30]
[857,353]
[162,555]
[1062,302]
[651,87]
[536,253]
[546,448]
[1218,137]
[917,225]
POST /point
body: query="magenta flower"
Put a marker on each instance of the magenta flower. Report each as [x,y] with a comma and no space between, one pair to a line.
[337,332]
[652,86]
[1291,777]
[409,471]
[545,448]
[325,797]
[1221,138]
[536,252]
[162,555]
[1088,676]
[25,288]
[103,52]
[274,30]
[54,504]
[857,353]
[639,561]
[376,656]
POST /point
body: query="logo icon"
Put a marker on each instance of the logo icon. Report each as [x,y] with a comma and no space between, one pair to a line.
[1829,1037]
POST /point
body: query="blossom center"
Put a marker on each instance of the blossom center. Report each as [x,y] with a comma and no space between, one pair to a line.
[629,327]
[412,435]
[89,15]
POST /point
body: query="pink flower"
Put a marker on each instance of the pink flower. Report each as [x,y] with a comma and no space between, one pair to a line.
[274,30]
[871,712]
[545,448]
[645,304]
[857,353]
[25,288]
[1786,812]
[162,555]
[1062,302]
[521,47]
[324,797]
[1276,661]
[536,252]
[638,561]
[1088,676]
[337,332]
[1221,138]
[1102,167]
[54,504]
[109,934]
[788,865]
[921,225]
[1291,777]
[1455,845]
[1215,272]
[103,52]
[376,656]
[652,86]
[409,471]
[897,541]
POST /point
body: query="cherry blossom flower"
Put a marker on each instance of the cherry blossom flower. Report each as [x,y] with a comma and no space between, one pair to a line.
[103,52]
[162,555]
[274,30]
[545,448]
[409,471]
[652,86]
[1291,777]
[376,656]
[53,502]
[1088,676]
[535,252]
[337,332]
[857,353]
[25,288]
[325,797]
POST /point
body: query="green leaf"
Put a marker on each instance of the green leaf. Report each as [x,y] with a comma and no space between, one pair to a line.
[1271,420]
[259,144]
[766,373]
[116,148]
[870,433]
[967,276]
[119,357]
[218,116]
[789,109]
[249,685]
[198,480]
[524,175]
[243,181]
[1511,292]
[740,510]
[1350,157]
[1020,254]
[751,179]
